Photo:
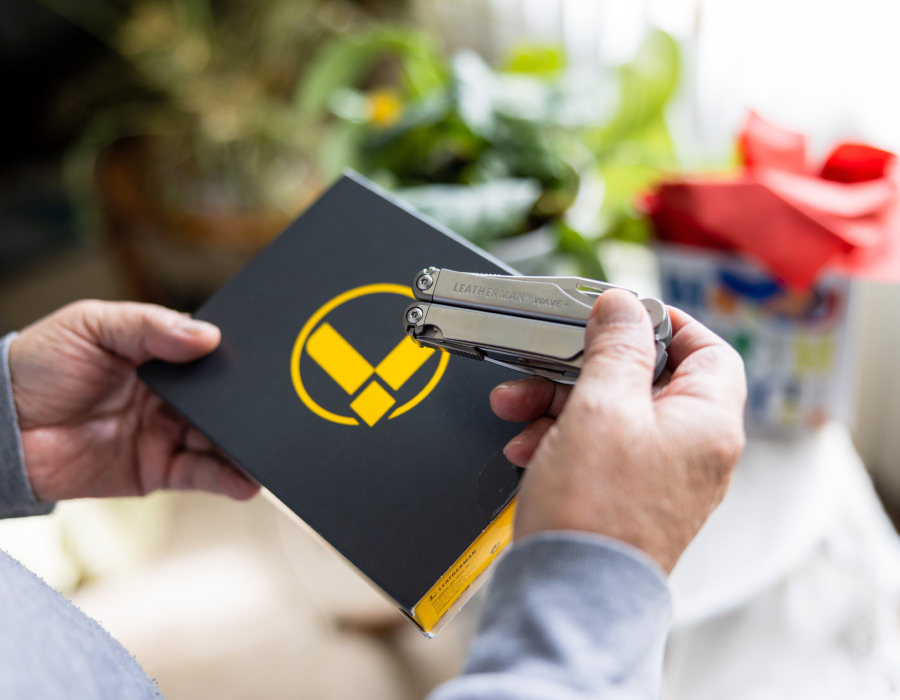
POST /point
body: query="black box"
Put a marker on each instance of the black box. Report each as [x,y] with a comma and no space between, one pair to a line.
[389,451]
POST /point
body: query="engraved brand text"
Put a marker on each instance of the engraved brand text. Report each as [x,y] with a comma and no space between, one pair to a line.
[483,292]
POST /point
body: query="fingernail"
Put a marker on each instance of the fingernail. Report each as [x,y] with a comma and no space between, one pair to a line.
[193,326]
[518,439]
[511,384]
[513,451]
[511,445]
[618,307]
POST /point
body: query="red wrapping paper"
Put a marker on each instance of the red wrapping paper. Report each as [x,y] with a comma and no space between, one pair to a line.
[795,220]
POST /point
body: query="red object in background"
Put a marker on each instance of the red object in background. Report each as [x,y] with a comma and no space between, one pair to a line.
[794,221]
[766,145]
[856,162]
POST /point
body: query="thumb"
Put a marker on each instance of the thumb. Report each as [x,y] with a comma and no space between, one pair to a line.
[142,332]
[619,353]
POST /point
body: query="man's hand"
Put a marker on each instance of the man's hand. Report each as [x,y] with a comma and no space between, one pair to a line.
[616,457]
[89,426]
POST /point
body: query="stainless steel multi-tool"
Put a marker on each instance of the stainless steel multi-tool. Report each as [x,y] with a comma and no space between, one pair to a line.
[529,324]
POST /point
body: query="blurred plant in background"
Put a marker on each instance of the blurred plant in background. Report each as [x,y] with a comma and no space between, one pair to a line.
[209,85]
[194,146]
[532,147]
[216,121]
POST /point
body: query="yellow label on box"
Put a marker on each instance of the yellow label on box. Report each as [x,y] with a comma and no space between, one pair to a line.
[454,583]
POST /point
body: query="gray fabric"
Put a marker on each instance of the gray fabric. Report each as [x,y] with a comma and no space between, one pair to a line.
[16,498]
[569,616]
[51,650]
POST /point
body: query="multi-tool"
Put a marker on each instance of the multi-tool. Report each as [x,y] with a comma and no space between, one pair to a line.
[529,324]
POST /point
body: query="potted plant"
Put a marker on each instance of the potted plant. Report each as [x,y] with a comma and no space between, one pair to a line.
[533,147]
[195,147]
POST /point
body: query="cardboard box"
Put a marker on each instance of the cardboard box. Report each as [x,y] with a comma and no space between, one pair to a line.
[795,345]
[389,451]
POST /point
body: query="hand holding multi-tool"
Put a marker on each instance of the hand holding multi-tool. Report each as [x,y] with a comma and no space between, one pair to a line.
[529,324]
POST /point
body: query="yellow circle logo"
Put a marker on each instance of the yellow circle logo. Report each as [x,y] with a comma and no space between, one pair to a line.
[329,360]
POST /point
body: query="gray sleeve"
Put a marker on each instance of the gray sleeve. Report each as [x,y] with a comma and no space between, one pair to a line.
[16,498]
[568,616]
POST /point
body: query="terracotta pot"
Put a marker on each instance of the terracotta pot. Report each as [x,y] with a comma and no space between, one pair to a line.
[176,257]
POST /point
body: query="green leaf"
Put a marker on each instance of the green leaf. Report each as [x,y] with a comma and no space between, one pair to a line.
[347,60]
[473,81]
[349,104]
[536,59]
[430,144]
[630,228]
[524,98]
[645,86]
[584,99]
[478,212]
[339,149]
[572,243]
[638,164]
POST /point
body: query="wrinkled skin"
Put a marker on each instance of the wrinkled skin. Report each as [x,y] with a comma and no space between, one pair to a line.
[614,455]
[90,427]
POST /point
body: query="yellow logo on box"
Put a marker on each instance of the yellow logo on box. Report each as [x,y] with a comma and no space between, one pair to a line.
[370,389]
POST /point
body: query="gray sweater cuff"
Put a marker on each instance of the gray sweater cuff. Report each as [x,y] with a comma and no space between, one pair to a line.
[16,497]
[569,615]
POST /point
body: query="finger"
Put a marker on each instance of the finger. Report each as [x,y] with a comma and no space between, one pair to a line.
[521,448]
[208,472]
[523,400]
[703,364]
[174,455]
[141,332]
[619,353]
[688,335]
[195,441]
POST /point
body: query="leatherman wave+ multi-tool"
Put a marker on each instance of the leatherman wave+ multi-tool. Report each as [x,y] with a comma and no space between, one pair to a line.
[529,324]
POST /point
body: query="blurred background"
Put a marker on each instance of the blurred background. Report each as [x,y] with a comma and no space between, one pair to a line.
[151,147]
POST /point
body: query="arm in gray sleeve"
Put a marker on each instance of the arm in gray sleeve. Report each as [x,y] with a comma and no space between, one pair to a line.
[16,498]
[569,616]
